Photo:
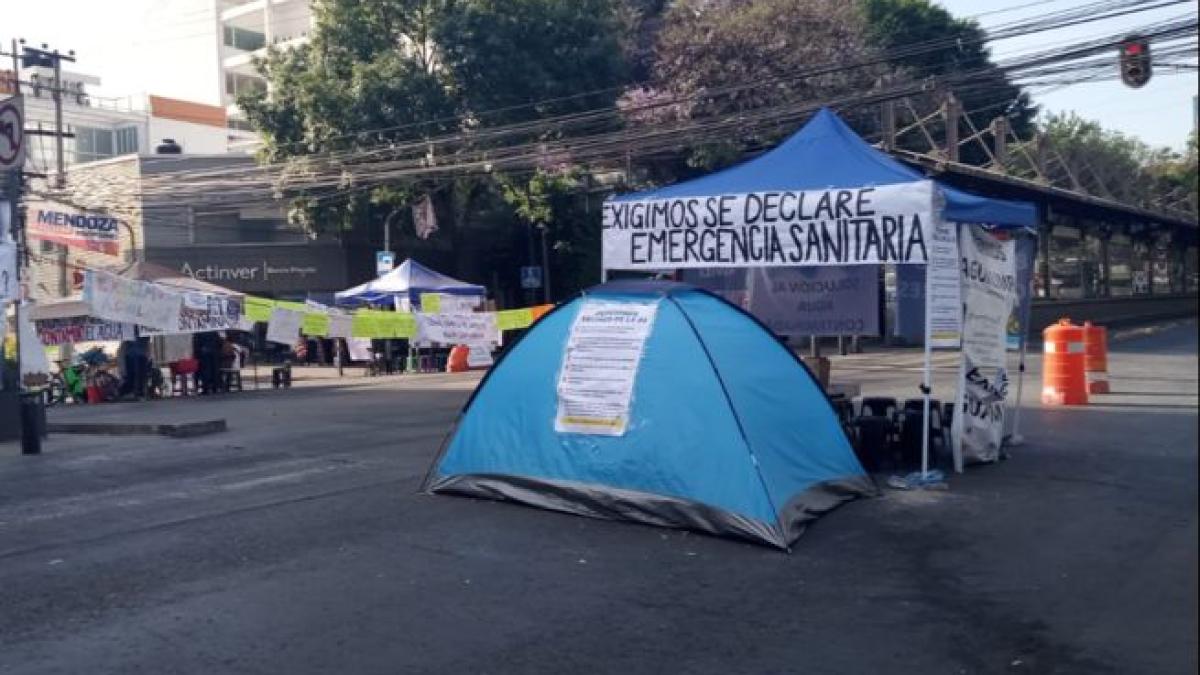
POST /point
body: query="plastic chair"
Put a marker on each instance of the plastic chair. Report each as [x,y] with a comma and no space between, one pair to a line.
[912,418]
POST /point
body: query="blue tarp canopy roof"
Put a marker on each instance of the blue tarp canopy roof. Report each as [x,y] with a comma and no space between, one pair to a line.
[827,154]
[410,279]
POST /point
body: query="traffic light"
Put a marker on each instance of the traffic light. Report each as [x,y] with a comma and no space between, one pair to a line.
[1135,61]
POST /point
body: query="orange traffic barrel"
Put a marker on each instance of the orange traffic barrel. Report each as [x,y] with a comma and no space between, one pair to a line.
[457,362]
[1064,374]
[1095,349]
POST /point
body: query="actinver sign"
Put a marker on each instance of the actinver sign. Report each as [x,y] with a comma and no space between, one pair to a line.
[260,268]
[215,273]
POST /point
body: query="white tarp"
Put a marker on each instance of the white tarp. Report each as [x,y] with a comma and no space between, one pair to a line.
[457,329]
[868,225]
[118,299]
[988,272]
[600,366]
[284,326]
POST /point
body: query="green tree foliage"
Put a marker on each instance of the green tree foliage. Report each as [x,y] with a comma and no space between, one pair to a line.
[706,53]
[1111,164]
[402,70]
[956,49]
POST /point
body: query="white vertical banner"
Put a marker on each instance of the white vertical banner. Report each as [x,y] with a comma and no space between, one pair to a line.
[943,299]
[600,365]
[988,271]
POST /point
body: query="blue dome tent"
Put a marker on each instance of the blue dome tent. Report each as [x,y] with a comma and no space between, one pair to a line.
[727,432]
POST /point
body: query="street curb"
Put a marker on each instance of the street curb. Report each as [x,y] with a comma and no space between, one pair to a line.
[184,430]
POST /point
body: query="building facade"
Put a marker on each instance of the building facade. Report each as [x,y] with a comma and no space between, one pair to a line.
[99,128]
[104,218]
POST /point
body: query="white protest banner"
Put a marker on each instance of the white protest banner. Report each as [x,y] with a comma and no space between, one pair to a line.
[457,329]
[600,366]
[35,366]
[203,312]
[359,349]
[943,287]
[888,223]
[340,325]
[988,270]
[479,356]
[76,329]
[118,299]
[9,289]
[284,326]
[447,303]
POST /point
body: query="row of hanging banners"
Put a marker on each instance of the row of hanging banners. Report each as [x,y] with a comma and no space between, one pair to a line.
[115,305]
[807,263]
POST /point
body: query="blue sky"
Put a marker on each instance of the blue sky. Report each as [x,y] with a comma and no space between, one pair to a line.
[111,42]
[1161,113]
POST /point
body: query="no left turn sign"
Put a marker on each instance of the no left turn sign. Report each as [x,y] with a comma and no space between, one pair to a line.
[12,134]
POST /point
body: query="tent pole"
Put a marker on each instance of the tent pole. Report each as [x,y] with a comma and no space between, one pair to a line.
[1016,438]
[926,391]
[927,378]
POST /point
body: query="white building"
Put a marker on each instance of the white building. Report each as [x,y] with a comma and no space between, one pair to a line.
[213,44]
[100,128]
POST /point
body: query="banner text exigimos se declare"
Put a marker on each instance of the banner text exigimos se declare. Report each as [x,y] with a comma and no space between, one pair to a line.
[864,225]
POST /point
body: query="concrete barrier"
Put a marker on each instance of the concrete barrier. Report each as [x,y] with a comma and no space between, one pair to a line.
[1112,312]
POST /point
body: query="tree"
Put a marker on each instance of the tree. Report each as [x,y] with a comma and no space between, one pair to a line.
[707,52]
[1111,164]
[399,71]
[955,48]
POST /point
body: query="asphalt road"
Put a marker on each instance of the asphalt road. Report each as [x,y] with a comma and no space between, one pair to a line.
[295,543]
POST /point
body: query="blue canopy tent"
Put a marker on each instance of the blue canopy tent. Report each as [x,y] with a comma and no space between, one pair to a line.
[822,197]
[405,284]
[826,154]
[727,433]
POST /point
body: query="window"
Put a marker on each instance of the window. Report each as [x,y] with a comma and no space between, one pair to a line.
[239,125]
[1066,263]
[236,83]
[92,144]
[127,140]
[246,40]
[234,227]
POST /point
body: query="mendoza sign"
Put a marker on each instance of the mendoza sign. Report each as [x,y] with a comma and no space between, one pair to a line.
[72,227]
[867,225]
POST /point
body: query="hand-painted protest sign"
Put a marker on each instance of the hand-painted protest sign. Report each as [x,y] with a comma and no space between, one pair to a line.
[889,223]
[988,271]
[284,326]
[203,312]
[457,329]
[801,301]
[76,329]
[124,300]
[599,369]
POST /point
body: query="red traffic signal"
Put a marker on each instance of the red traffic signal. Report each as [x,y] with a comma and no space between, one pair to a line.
[1134,63]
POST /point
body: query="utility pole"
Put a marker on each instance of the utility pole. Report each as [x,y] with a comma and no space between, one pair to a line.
[32,56]
[951,111]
